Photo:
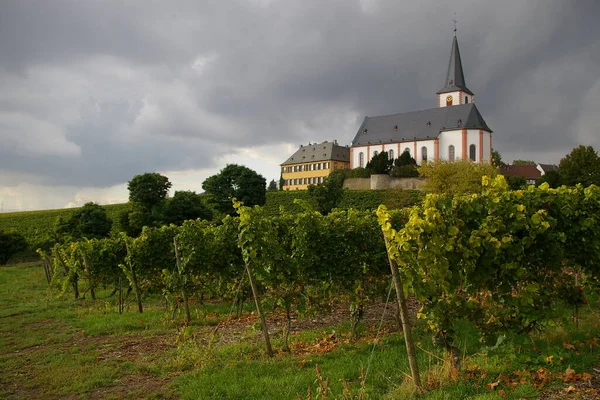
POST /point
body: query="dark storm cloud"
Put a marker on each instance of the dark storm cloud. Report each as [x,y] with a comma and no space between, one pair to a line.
[92,93]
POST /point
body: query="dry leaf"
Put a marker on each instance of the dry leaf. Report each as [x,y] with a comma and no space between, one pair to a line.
[570,389]
[501,393]
[492,385]
[454,374]
[568,346]
[570,375]
[586,377]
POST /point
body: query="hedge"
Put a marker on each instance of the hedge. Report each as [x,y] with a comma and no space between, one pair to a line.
[357,199]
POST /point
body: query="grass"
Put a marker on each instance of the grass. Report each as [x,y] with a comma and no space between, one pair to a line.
[60,347]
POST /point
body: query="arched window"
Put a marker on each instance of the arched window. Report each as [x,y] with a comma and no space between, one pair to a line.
[466,99]
[361,159]
[448,101]
[407,150]
[424,153]
[472,152]
[451,153]
[391,154]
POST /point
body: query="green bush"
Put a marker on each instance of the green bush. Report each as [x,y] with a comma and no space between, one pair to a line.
[404,171]
[11,243]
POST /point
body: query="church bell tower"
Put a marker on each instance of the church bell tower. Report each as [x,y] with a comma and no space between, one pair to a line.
[455,90]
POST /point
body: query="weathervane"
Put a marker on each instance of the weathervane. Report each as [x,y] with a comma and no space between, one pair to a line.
[454,20]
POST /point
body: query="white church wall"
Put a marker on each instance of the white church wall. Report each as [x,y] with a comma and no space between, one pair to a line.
[398,148]
[394,149]
[487,153]
[407,145]
[429,145]
[458,97]
[444,96]
[473,139]
[451,138]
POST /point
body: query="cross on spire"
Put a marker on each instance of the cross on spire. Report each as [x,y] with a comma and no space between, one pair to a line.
[454,20]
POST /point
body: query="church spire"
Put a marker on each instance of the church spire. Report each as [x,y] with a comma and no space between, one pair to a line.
[455,79]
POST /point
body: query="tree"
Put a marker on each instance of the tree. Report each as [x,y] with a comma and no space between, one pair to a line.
[455,177]
[496,158]
[272,185]
[11,243]
[516,182]
[89,221]
[148,190]
[185,205]
[147,194]
[524,162]
[380,163]
[235,181]
[405,159]
[405,166]
[550,177]
[582,165]
[281,182]
[125,218]
[327,195]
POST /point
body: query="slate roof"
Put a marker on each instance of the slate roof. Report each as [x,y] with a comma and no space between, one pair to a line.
[548,167]
[318,152]
[424,124]
[455,78]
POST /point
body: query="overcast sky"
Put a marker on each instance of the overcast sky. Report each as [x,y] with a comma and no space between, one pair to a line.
[94,92]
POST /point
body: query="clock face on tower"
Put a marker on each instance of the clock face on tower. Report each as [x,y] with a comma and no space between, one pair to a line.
[449,99]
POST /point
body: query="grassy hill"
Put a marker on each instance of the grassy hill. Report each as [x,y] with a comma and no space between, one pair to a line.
[37,226]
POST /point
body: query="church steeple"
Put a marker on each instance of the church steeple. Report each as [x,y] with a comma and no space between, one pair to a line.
[455,79]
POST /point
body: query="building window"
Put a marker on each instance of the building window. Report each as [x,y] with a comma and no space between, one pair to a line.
[375,153]
[472,152]
[448,101]
[451,153]
[391,154]
[361,159]
[424,153]
[407,150]
[466,100]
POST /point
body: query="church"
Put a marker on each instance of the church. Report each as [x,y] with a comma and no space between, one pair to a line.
[452,131]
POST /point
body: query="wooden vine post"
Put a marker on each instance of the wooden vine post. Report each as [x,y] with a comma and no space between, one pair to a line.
[134,279]
[47,264]
[246,236]
[410,345]
[183,282]
[259,310]
[74,278]
[89,274]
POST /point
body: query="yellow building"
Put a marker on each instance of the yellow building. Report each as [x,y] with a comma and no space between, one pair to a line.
[312,163]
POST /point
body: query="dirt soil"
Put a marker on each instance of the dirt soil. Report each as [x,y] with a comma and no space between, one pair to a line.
[145,350]
[581,390]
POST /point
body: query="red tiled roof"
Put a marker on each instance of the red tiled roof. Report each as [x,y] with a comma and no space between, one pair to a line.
[526,171]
